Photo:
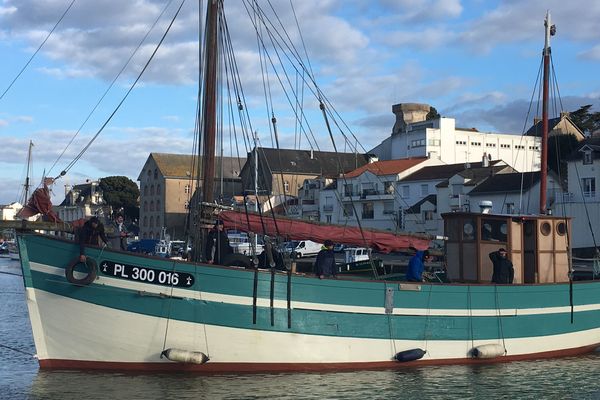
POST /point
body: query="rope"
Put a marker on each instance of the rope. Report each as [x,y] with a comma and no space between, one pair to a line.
[38,49]
[10,273]
[17,350]
[425,332]
[87,146]
[110,86]
[390,329]
[499,318]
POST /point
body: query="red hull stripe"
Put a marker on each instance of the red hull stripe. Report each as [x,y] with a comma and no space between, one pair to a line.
[211,367]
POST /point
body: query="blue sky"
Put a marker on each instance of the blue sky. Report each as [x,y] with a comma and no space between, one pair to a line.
[476,61]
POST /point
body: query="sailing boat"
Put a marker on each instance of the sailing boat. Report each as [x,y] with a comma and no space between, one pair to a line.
[132,312]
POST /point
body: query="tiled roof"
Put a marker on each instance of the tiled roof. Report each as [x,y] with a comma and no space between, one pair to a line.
[180,165]
[320,163]
[416,208]
[436,172]
[388,167]
[501,183]
[536,129]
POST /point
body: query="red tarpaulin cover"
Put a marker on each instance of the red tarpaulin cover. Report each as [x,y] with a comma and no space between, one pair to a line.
[294,229]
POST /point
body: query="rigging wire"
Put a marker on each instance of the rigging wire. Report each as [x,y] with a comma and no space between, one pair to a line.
[111,85]
[37,50]
[87,146]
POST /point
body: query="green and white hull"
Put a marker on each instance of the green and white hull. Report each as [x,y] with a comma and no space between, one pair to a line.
[127,317]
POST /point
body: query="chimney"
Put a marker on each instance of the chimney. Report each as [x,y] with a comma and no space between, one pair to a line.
[408,113]
[312,154]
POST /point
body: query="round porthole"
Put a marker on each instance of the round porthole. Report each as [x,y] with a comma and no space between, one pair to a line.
[468,229]
[561,228]
[545,228]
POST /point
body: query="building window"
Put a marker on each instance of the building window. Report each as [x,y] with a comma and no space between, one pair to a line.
[152,190]
[157,205]
[457,189]
[348,210]
[187,189]
[587,157]
[155,173]
[427,215]
[158,221]
[461,142]
[348,190]
[186,204]
[367,211]
[588,186]
[388,207]
[510,208]
[151,222]
[417,143]
[145,223]
[157,189]
[151,206]
[388,187]
[424,189]
[405,191]
[145,206]
[328,217]
[149,173]
[145,190]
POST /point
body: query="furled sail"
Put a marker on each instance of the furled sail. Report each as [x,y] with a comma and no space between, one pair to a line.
[294,229]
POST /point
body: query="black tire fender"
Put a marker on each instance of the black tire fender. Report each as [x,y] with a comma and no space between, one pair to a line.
[92,271]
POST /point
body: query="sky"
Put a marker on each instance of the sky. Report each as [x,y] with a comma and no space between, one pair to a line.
[473,60]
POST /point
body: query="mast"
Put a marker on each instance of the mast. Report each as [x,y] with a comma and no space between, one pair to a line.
[550,31]
[210,103]
[26,196]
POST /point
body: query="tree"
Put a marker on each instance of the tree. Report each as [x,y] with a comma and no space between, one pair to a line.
[585,120]
[432,114]
[120,192]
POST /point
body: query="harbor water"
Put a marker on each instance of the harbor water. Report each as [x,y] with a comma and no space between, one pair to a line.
[20,378]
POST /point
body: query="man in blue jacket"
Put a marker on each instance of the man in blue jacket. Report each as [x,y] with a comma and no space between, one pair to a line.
[416,266]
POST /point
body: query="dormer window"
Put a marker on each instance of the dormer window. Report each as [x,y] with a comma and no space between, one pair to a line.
[587,157]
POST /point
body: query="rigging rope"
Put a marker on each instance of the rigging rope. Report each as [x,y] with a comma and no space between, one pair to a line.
[38,49]
[110,86]
[86,147]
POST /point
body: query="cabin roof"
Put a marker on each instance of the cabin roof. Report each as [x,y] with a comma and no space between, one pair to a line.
[387,167]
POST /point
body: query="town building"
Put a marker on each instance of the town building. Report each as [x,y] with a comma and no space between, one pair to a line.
[582,200]
[8,212]
[167,184]
[82,201]
[415,136]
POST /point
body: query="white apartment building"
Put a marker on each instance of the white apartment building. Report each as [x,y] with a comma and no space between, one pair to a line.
[582,202]
[372,194]
[413,136]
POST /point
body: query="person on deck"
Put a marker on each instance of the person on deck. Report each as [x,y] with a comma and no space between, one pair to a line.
[118,239]
[416,266]
[504,272]
[217,244]
[90,233]
[325,263]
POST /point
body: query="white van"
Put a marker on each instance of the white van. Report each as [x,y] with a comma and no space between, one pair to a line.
[302,248]
[356,254]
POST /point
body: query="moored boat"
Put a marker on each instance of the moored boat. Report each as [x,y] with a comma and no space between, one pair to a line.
[134,312]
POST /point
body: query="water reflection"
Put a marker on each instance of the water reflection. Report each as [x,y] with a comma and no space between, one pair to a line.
[569,378]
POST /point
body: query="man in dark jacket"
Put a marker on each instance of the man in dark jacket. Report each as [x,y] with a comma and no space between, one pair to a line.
[503,268]
[325,263]
[89,233]
[217,244]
